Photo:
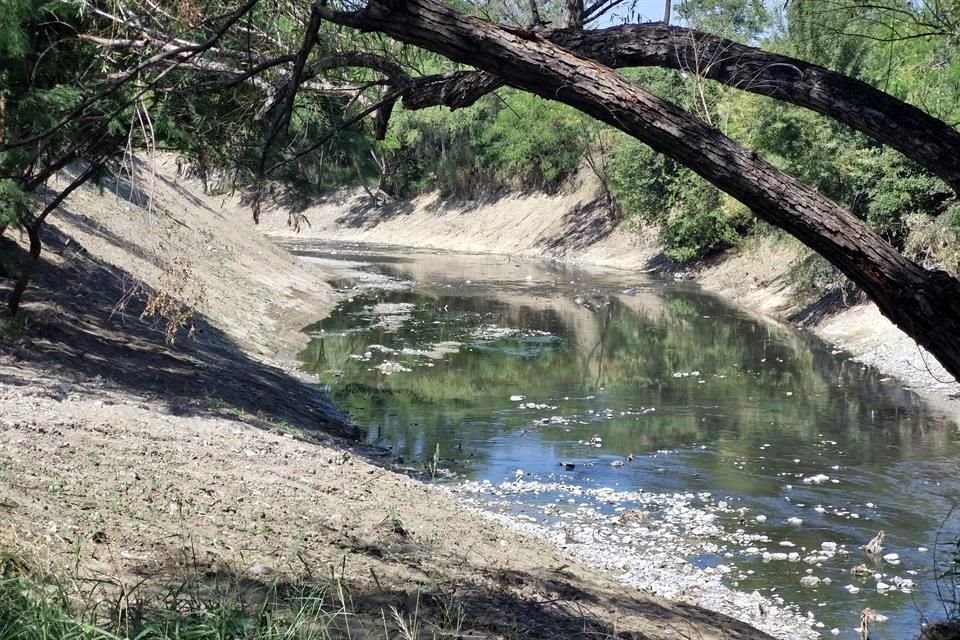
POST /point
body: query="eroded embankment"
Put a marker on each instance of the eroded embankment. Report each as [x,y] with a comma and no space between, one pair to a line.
[137,467]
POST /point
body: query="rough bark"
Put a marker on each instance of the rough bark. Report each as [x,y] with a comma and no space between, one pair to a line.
[931,143]
[925,304]
[926,140]
[26,272]
[33,228]
[457,90]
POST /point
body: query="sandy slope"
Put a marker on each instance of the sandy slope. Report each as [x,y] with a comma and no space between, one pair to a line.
[126,462]
[568,226]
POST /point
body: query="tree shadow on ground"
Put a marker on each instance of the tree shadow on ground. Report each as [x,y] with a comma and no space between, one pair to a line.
[88,225]
[828,303]
[86,322]
[457,602]
[583,226]
[132,180]
[367,214]
[541,602]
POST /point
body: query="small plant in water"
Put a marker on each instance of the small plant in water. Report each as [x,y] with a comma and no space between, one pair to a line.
[433,464]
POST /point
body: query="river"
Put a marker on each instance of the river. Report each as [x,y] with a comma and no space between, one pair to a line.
[633,419]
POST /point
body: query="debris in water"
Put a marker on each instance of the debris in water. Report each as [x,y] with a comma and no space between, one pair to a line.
[875,546]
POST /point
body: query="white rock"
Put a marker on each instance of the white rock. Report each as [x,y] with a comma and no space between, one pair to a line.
[761,518]
[892,558]
[795,521]
[517,398]
[809,581]
[852,588]
[829,546]
[883,586]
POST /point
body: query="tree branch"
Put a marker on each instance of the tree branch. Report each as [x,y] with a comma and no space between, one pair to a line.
[926,140]
[912,297]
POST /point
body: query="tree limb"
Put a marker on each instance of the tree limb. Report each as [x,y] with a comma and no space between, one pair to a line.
[926,140]
[925,304]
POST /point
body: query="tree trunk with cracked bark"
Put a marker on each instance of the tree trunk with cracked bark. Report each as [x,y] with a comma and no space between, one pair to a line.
[925,304]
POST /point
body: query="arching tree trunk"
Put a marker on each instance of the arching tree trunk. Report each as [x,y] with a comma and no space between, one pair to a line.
[925,304]
[33,228]
[26,272]
[924,139]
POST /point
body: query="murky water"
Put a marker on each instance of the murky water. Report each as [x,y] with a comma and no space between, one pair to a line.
[511,370]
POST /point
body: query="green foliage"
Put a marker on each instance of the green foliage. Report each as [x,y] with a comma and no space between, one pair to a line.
[15,204]
[640,179]
[12,328]
[696,221]
[510,140]
[935,241]
[737,19]
[533,142]
[523,142]
[31,613]
[14,14]
[693,216]
[894,189]
[438,149]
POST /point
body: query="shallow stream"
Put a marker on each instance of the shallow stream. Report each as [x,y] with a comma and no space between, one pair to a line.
[691,448]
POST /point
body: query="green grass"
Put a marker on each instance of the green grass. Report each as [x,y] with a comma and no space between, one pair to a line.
[35,610]
[203,606]
[13,328]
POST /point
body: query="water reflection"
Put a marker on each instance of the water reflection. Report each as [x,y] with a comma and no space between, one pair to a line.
[705,397]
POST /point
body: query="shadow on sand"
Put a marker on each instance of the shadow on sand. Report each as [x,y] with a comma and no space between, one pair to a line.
[86,323]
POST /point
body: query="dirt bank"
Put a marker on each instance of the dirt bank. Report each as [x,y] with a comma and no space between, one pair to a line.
[130,465]
[761,277]
[570,226]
